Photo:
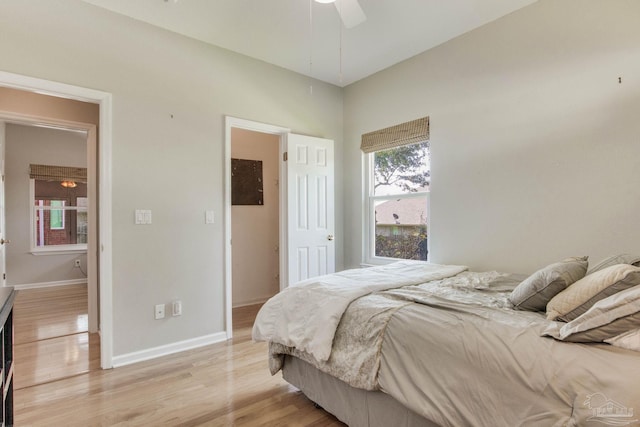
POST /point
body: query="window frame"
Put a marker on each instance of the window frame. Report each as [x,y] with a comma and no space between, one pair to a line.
[78,248]
[369,250]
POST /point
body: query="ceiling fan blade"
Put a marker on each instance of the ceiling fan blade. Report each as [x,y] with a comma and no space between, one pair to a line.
[350,12]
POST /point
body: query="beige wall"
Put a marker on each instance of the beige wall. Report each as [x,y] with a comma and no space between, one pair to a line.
[26,145]
[535,150]
[255,229]
[170,96]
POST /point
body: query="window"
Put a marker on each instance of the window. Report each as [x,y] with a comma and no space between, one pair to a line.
[398,202]
[398,178]
[59,212]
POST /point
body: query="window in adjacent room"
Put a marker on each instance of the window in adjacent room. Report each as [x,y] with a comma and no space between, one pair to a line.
[56,216]
[59,209]
[398,170]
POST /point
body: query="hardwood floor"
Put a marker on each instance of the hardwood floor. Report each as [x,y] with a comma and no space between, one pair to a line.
[226,384]
[50,335]
[50,312]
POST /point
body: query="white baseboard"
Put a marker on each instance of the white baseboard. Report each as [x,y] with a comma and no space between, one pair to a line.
[250,302]
[165,350]
[50,284]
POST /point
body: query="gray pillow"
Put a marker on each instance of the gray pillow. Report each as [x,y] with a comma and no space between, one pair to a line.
[615,259]
[579,297]
[606,319]
[535,291]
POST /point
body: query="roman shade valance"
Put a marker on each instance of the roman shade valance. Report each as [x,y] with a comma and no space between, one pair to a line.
[396,136]
[57,173]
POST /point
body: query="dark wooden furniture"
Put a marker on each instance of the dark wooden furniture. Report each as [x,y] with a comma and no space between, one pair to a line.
[7,296]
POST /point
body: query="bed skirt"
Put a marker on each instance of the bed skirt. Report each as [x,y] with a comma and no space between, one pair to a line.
[353,406]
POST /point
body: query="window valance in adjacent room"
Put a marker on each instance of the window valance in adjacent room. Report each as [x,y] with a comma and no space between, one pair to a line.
[396,136]
[57,173]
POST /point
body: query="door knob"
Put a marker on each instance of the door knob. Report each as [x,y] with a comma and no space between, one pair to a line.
[2,241]
[330,237]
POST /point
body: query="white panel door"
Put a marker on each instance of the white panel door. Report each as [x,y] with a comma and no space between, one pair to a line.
[310,216]
[3,238]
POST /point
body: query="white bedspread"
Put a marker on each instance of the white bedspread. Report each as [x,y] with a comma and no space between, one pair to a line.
[306,315]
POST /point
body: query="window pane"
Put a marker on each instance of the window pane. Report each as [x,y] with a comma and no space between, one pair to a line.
[402,170]
[82,227]
[60,213]
[401,228]
[73,232]
[53,190]
[56,216]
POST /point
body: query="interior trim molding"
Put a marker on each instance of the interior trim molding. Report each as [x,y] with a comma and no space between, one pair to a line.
[165,350]
[105,197]
[253,301]
[50,284]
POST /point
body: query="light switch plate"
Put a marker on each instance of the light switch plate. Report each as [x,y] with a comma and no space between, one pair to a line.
[142,216]
[176,308]
[209,217]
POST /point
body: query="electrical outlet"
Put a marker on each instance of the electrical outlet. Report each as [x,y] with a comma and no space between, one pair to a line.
[159,311]
[177,308]
[76,263]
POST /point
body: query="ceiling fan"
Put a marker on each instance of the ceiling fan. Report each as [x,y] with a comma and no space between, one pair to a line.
[350,11]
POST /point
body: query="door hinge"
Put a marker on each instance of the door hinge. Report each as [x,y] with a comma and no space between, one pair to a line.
[4,276]
[285,156]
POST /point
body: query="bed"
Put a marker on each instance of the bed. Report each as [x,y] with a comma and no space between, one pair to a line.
[419,344]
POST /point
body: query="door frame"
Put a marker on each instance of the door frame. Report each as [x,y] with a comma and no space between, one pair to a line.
[234,122]
[3,206]
[104,178]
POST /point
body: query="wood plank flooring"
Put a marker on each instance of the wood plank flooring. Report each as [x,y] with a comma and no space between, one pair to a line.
[50,312]
[50,335]
[226,384]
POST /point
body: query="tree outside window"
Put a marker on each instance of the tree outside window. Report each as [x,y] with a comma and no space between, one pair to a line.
[398,202]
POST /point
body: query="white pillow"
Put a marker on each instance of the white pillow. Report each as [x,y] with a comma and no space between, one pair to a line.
[629,340]
[580,296]
[608,318]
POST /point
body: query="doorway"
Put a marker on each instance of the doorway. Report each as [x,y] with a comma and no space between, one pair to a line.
[46,113]
[47,216]
[254,216]
[33,119]
[234,124]
[306,207]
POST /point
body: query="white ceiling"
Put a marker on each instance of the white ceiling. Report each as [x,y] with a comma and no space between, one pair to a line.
[279,31]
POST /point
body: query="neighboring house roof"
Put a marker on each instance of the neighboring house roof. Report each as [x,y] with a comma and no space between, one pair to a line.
[411,211]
